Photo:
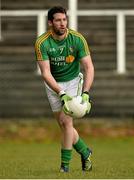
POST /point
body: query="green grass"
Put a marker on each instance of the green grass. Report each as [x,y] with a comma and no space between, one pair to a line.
[112,158]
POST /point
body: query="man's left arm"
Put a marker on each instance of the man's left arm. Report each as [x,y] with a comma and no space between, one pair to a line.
[88,68]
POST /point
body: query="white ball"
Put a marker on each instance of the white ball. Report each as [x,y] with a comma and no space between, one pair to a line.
[77,107]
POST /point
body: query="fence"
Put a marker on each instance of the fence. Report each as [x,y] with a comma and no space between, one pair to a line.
[74,13]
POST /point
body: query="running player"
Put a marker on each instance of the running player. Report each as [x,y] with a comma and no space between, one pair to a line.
[59,53]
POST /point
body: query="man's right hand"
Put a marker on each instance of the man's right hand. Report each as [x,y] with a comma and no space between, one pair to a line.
[64,99]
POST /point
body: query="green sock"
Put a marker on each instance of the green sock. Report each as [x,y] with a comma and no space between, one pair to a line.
[81,148]
[66,155]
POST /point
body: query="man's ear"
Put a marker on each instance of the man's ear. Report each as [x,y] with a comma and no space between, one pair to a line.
[49,23]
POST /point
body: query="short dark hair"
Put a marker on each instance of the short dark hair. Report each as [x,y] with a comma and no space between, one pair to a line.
[55,9]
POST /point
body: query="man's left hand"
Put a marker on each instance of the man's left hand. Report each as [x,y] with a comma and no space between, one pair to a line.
[86,99]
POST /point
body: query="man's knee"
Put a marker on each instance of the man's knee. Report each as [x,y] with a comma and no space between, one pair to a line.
[64,120]
[67,123]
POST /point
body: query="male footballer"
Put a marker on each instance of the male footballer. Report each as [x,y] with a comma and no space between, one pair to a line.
[59,53]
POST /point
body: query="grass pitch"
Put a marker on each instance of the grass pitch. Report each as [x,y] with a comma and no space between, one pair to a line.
[112,158]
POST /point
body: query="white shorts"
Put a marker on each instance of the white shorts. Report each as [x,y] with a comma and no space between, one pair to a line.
[72,88]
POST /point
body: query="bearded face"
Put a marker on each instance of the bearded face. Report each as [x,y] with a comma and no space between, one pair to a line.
[59,24]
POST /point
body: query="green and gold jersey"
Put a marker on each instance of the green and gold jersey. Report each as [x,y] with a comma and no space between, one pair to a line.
[64,55]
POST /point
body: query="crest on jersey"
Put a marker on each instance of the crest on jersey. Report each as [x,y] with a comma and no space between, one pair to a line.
[71,49]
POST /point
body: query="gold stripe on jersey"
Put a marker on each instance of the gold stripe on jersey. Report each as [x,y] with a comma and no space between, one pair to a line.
[38,44]
[82,38]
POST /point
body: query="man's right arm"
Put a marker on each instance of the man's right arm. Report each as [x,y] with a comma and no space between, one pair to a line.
[49,79]
[44,65]
[47,76]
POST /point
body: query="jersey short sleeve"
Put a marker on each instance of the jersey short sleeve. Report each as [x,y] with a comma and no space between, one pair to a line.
[40,50]
[83,49]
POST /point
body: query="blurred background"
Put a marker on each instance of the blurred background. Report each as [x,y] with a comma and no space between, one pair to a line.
[108,26]
[28,132]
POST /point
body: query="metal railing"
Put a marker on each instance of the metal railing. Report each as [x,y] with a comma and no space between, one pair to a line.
[74,13]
